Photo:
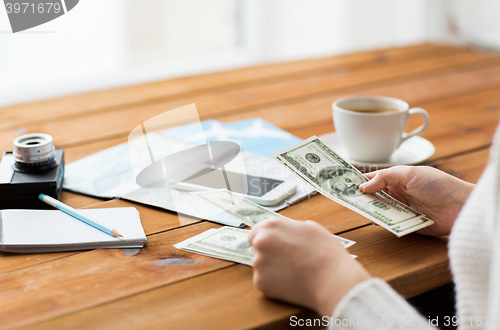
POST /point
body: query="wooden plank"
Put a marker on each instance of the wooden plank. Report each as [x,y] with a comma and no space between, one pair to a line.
[82,280]
[468,167]
[333,216]
[77,152]
[318,110]
[411,265]
[101,125]
[226,299]
[219,300]
[10,261]
[113,99]
[77,200]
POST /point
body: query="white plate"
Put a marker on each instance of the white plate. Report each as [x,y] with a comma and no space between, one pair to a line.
[413,151]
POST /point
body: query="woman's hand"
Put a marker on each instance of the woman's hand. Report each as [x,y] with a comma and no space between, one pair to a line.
[430,191]
[302,263]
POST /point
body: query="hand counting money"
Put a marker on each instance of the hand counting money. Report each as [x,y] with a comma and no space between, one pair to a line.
[312,161]
[248,212]
[230,243]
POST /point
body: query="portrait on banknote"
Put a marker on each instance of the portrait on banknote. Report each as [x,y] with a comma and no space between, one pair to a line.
[340,180]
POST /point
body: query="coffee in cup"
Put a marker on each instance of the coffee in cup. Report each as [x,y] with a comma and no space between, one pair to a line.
[371,128]
[375,110]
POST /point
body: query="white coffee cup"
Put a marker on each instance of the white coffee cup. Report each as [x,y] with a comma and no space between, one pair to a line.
[370,135]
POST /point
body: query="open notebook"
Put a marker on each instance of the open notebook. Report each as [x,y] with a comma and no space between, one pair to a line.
[33,231]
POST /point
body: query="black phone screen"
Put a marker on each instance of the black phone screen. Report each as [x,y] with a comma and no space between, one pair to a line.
[257,186]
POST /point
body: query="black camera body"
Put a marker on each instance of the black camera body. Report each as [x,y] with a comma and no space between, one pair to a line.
[22,181]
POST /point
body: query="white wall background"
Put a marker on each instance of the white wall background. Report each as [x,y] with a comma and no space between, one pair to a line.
[103,44]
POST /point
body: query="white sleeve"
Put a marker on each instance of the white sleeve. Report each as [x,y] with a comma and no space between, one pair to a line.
[492,320]
[373,304]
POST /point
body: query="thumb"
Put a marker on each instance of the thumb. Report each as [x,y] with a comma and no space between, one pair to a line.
[395,176]
[253,232]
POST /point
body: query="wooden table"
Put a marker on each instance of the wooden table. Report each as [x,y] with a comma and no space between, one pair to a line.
[161,287]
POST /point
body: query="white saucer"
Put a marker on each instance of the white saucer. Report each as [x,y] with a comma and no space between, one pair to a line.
[413,151]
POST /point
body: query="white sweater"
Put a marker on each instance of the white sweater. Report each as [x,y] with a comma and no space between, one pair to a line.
[474,251]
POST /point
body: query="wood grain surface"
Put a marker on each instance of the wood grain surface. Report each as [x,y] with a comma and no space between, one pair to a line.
[160,287]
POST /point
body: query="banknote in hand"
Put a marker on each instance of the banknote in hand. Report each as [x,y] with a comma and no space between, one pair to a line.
[312,161]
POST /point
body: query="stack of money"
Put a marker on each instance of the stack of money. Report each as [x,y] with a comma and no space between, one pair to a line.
[230,243]
[312,161]
[226,243]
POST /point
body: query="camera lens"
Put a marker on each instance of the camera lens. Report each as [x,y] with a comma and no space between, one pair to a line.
[34,152]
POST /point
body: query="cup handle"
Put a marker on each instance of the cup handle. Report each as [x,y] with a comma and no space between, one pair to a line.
[424,114]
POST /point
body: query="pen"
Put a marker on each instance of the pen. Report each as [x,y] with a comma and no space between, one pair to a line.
[74,213]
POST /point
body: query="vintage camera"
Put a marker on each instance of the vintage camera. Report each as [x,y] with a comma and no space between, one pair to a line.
[34,167]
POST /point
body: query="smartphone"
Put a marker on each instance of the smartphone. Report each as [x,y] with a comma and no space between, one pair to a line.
[260,190]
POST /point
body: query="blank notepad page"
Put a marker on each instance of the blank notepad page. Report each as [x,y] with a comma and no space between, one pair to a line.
[53,227]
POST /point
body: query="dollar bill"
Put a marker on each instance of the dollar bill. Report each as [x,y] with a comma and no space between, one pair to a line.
[226,243]
[312,161]
[247,211]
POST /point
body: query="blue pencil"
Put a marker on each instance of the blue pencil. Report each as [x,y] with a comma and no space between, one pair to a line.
[74,213]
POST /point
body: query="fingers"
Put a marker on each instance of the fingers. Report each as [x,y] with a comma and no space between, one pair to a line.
[263,226]
[371,175]
[394,176]
[253,232]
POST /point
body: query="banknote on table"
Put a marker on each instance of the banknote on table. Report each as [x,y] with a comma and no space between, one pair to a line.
[227,243]
[312,161]
[247,211]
